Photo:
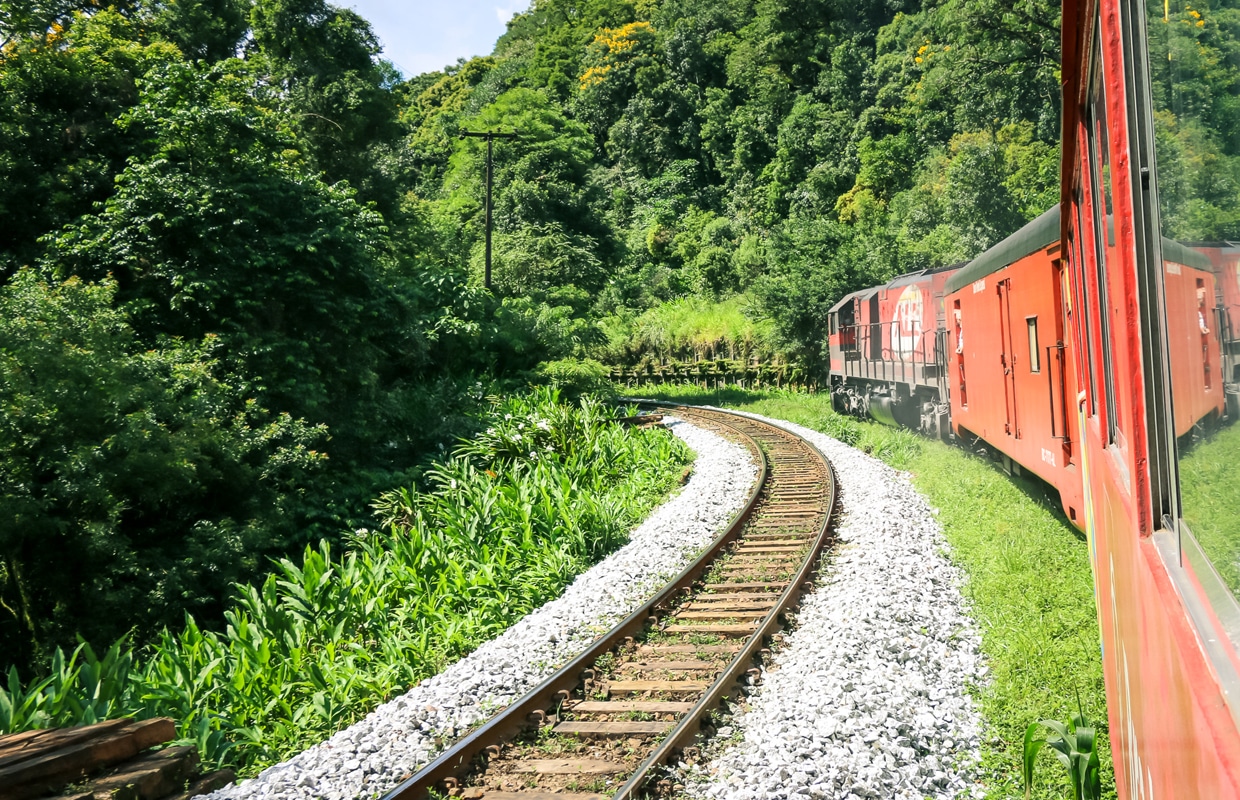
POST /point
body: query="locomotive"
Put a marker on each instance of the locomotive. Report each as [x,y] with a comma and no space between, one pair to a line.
[1098,348]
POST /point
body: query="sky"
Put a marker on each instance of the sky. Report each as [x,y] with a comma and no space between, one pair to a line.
[427,35]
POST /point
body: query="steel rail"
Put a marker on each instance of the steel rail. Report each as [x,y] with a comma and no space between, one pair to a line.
[728,682]
[530,710]
[516,717]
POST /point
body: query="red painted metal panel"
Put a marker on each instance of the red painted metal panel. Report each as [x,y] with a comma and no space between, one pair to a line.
[1023,388]
[1172,732]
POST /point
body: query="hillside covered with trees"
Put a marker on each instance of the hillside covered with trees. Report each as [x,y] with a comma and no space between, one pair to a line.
[241,254]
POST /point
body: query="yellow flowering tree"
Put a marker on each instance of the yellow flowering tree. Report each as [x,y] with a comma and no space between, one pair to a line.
[613,62]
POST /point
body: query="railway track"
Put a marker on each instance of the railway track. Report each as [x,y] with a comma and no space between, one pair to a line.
[606,724]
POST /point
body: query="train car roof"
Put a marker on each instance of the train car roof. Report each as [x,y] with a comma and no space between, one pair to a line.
[905,279]
[860,294]
[1038,234]
[1182,254]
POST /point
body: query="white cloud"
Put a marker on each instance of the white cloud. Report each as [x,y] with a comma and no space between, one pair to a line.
[504,14]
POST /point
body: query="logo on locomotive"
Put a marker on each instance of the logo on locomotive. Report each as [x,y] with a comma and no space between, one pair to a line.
[906,325]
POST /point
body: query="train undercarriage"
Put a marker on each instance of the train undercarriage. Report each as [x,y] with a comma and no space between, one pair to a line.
[919,408]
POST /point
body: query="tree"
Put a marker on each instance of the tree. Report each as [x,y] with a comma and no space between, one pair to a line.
[136,483]
[61,91]
[217,229]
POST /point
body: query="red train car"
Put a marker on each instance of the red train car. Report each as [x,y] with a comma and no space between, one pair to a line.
[1169,618]
[1008,307]
[1194,337]
[1224,259]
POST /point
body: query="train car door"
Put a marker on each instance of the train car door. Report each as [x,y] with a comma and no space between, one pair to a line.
[1056,368]
[1007,357]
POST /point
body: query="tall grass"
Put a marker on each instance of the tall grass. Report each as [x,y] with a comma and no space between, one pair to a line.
[1212,500]
[689,329]
[507,521]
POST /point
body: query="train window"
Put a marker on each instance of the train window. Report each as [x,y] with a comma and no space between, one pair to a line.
[1194,63]
[1035,365]
[1104,231]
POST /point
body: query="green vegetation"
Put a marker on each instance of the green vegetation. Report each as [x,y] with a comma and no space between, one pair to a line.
[1212,500]
[1029,579]
[240,253]
[689,329]
[510,518]
[1073,744]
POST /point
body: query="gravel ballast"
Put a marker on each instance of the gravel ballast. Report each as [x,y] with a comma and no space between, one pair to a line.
[868,698]
[404,734]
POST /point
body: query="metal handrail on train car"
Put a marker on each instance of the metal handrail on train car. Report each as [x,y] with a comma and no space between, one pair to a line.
[893,365]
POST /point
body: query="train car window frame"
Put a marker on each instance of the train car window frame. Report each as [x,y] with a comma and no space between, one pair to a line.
[1084,343]
[1031,329]
[1098,156]
[1161,447]
[1085,224]
[1211,606]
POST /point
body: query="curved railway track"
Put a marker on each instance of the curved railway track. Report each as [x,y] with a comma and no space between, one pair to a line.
[605,724]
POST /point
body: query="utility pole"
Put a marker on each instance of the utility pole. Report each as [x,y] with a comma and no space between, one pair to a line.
[490,136]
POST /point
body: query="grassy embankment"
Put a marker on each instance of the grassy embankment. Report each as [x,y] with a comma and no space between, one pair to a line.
[1212,500]
[1029,580]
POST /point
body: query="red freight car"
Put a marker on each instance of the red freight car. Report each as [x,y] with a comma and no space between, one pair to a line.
[1194,337]
[1008,320]
[1225,260]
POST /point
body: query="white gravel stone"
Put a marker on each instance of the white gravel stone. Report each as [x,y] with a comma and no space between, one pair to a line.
[869,697]
[404,734]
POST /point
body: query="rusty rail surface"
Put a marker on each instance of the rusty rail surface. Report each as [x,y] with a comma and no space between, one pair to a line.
[606,723]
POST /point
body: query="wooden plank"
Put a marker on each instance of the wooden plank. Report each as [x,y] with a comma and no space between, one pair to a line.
[721,630]
[207,783]
[35,776]
[17,747]
[667,649]
[721,615]
[532,794]
[148,777]
[771,548]
[755,599]
[669,687]
[777,586]
[568,766]
[625,706]
[760,561]
[733,605]
[612,729]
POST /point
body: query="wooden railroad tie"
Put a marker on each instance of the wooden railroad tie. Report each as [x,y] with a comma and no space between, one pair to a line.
[110,760]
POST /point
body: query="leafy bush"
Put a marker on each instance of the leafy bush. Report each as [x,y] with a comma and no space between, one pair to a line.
[575,377]
[509,519]
[136,484]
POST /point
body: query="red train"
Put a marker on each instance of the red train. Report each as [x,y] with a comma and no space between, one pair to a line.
[1098,348]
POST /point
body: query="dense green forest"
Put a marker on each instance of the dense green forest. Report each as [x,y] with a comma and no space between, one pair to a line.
[241,253]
